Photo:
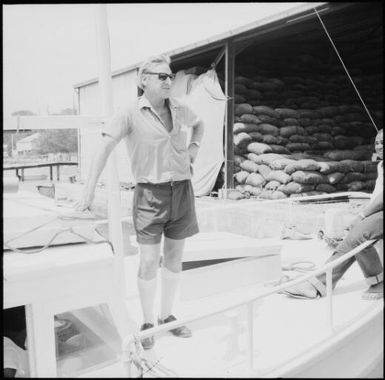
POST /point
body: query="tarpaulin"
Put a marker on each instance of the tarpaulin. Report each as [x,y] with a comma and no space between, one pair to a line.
[206,98]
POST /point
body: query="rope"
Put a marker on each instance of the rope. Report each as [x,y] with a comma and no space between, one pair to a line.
[301,266]
[346,70]
[70,229]
[32,230]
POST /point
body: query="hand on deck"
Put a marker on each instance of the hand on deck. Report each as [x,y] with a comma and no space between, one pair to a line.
[85,202]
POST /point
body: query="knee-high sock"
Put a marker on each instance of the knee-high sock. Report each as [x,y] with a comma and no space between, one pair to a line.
[170,281]
[147,291]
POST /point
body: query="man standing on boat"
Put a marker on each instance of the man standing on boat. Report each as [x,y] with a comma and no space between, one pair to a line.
[367,226]
[155,131]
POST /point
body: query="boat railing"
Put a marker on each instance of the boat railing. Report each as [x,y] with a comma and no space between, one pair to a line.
[249,303]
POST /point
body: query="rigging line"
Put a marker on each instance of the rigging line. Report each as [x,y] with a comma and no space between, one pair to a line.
[47,245]
[346,70]
[31,230]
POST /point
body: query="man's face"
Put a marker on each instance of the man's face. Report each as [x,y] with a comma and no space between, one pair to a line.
[155,85]
[378,145]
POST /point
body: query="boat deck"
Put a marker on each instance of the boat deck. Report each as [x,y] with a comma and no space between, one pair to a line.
[283,327]
[285,330]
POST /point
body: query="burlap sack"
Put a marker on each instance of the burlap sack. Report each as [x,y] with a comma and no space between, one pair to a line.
[271,120]
[295,188]
[326,188]
[268,129]
[241,176]
[279,148]
[277,175]
[239,79]
[272,185]
[308,177]
[312,129]
[304,164]
[322,145]
[269,158]
[297,146]
[298,138]
[240,88]
[255,180]
[356,186]
[269,140]
[323,137]
[353,177]
[265,110]
[264,170]
[351,166]
[328,112]
[281,163]
[254,157]
[242,108]
[239,99]
[250,118]
[254,94]
[271,194]
[283,141]
[309,114]
[293,130]
[287,112]
[245,127]
[305,122]
[255,190]
[258,148]
[334,178]
[242,139]
[249,166]
[238,159]
[291,121]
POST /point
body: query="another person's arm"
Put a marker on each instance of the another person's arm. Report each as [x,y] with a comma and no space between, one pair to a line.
[377,204]
[374,206]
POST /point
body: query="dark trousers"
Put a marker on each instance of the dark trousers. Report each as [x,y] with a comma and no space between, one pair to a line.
[368,259]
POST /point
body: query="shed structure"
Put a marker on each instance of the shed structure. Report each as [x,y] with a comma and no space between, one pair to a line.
[300,35]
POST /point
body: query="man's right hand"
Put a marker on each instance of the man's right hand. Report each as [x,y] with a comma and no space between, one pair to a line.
[85,202]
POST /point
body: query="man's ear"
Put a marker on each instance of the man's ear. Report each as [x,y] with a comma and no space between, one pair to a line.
[144,81]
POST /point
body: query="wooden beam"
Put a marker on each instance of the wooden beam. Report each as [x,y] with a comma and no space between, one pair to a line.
[29,123]
[229,121]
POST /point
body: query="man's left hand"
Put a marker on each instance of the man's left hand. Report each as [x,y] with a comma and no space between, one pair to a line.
[193,152]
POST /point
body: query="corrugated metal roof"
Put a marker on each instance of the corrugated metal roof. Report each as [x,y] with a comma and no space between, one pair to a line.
[221,38]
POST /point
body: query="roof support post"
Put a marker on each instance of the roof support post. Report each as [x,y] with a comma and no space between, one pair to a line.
[229,117]
[113,186]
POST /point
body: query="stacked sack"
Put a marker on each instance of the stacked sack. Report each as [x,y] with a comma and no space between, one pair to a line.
[292,135]
[277,176]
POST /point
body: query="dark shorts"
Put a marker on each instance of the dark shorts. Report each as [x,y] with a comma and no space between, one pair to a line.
[167,208]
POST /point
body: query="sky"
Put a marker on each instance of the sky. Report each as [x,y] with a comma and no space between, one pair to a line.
[47,48]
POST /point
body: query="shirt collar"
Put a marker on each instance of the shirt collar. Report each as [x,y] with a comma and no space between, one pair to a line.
[145,103]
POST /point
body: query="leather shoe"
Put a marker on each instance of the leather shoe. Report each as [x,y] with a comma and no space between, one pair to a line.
[148,342]
[181,332]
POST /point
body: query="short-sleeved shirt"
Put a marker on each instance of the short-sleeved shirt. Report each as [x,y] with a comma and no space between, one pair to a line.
[156,155]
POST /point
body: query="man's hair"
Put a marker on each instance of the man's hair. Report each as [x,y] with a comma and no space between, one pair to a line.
[149,63]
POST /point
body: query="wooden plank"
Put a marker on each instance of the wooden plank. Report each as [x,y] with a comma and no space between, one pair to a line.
[222,245]
[20,123]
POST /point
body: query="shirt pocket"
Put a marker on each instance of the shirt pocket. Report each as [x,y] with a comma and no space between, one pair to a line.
[179,141]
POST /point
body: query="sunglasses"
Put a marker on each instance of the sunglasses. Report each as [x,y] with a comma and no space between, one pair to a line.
[162,76]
